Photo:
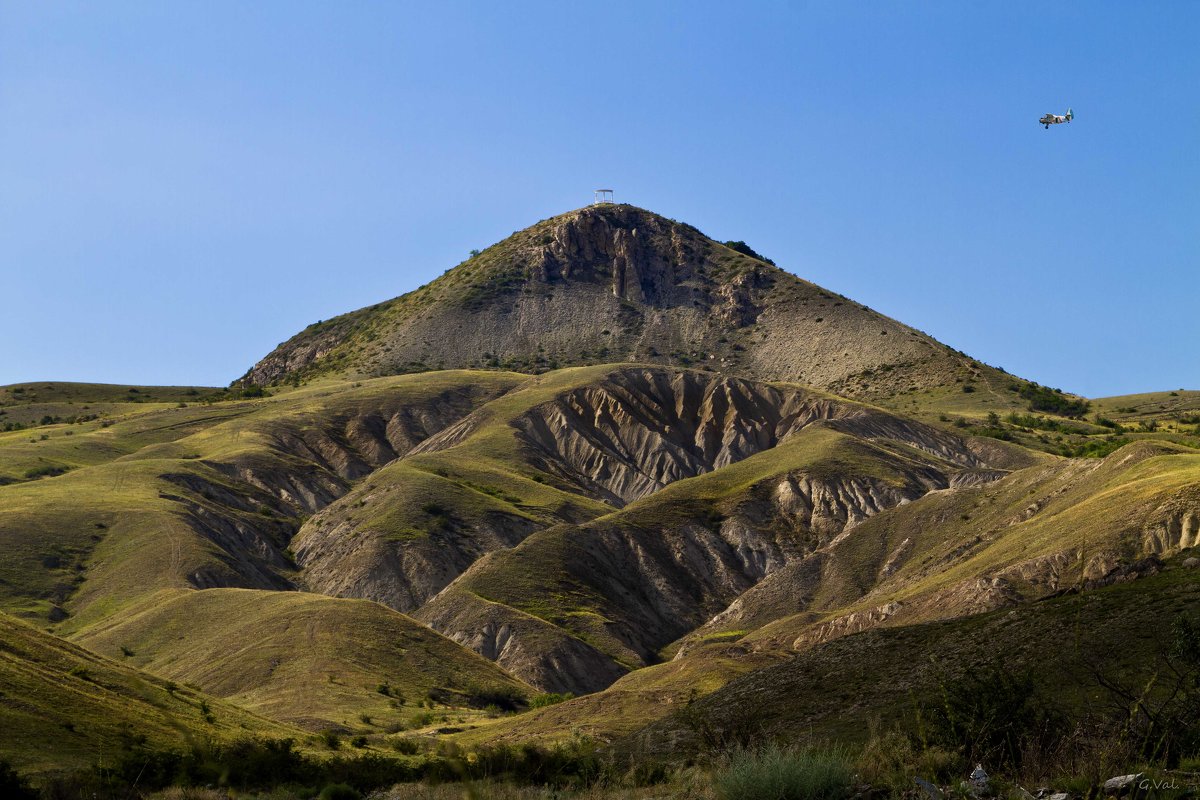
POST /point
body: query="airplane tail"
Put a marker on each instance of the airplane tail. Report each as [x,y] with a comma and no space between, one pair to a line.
[1070,115]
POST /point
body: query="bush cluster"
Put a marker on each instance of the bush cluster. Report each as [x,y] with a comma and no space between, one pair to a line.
[1053,401]
[774,773]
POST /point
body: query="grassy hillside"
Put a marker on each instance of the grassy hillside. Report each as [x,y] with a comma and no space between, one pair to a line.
[654,533]
[848,687]
[206,495]
[28,404]
[306,659]
[626,706]
[1036,532]
[835,690]
[1162,406]
[63,707]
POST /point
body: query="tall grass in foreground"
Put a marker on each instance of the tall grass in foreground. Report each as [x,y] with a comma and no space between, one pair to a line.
[774,773]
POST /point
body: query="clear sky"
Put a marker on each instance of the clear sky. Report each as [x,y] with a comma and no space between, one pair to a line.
[183,185]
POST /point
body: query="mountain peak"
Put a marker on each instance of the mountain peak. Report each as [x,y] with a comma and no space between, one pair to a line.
[614,282]
[644,258]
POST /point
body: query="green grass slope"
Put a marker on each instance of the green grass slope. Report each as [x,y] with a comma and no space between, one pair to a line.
[206,495]
[28,404]
[842,688]
[626,706]
[1039,531]
[305,659]
[63,707]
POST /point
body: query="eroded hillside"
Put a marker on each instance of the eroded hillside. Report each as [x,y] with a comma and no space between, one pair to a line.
[621,507]
[637,534]
[1054,529]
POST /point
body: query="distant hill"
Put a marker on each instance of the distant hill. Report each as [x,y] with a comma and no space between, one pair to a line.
[612,283]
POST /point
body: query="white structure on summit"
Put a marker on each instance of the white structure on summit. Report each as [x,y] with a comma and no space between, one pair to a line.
[602,196]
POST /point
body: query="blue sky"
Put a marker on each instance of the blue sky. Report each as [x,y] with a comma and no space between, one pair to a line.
[184,185]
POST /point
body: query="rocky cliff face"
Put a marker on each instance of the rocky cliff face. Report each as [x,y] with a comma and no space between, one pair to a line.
[643,258]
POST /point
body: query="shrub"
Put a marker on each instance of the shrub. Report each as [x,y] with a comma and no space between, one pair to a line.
[1161,715]
[549,699]
[1053,401]
[13,785]
[339,791]
[893,759]
[420,720]
[746,250]
[994,433]
[406,745]
[991,715]
[773,773]
[1094,448]
[44,472]
[571,763]
[505,698]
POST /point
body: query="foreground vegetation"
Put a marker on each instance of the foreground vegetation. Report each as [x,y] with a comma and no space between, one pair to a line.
[889,764]
[1090,713]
